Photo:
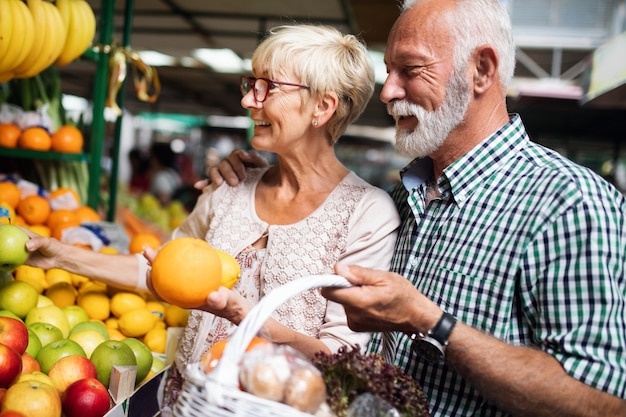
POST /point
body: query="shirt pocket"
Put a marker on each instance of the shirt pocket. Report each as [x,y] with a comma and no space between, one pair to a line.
[484,303]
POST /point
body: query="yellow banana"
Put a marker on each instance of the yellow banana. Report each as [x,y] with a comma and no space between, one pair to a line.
[8,62]
[75,35]
[64,8]
[58,31]
[6,27]
[89,20]
[28,33]
[7,76]
[33,61]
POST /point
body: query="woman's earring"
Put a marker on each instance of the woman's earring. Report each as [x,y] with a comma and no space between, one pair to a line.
[315,122]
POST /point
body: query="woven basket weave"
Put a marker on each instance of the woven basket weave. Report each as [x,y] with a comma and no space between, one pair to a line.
[217,394]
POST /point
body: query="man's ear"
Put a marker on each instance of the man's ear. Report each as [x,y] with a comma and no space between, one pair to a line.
[485,68]
[326,106]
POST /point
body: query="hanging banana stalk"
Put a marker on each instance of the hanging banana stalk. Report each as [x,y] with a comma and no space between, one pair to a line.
[145,77]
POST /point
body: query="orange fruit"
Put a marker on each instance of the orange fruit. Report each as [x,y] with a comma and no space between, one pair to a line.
[59,228]
[60,216]
[211,357]
[10,193]
[185,271]
[9,135]
[68,139]
[138,241]
[86,214]
[64,197]
[34,208]
[35,138]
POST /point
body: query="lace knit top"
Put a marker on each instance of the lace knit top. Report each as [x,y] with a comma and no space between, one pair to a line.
[356,224]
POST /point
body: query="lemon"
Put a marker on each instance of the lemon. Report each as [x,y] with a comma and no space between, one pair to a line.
[62,294]
[176,316]
[92,285]
[115,334]
[7,213]
[157,308]
[95,303]
[109,250]
[125,301]
[79,280]
[41,229]
[137,322]
[230,269]
[54,275]
[160,324]
[33,275]
[156,340]
[112,323]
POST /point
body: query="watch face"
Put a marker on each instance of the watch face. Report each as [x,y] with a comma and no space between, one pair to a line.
[428,349]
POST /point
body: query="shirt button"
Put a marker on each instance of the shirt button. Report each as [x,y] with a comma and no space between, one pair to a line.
[413,262]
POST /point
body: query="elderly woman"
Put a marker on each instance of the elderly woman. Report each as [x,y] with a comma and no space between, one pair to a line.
[291,220]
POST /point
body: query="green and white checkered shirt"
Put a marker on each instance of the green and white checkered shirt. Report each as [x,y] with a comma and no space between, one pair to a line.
[524,245]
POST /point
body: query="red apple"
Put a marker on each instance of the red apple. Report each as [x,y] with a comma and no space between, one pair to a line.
[11,413]
[33,398]
[13,333]
[29,363]
[10,365]
[70,369]
[86,397]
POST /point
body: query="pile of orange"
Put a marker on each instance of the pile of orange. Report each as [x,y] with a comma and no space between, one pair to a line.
[66,139]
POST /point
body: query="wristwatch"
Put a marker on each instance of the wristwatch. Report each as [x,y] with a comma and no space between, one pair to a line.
[432,346]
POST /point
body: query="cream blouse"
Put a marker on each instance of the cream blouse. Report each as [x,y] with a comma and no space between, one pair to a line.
[356,224]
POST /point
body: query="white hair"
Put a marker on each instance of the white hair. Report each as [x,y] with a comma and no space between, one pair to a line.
[481,22]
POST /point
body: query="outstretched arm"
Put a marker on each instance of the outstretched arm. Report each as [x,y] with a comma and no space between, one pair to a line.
[521,380]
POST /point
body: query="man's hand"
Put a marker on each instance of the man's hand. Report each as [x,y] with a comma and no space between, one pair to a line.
[233,168]
[382,301]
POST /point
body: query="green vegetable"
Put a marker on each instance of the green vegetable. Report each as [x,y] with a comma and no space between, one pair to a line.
[349,373]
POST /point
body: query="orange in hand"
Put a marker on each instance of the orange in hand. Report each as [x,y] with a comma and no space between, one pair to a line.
[185,271]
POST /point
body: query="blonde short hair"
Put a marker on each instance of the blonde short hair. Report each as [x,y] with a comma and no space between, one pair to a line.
[324,59]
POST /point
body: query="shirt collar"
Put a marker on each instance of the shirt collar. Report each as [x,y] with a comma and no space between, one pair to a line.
[470,170]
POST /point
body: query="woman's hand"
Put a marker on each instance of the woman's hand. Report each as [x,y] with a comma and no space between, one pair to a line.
[228,304]
[43,250]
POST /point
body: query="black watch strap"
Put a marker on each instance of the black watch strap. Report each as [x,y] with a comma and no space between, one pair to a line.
[443,328]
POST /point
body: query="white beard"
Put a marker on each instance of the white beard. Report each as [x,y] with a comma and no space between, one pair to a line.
[433,127]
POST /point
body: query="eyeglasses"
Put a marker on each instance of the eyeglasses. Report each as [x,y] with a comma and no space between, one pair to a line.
[261,86]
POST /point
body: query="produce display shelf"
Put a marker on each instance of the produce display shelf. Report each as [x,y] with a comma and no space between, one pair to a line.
[48,155]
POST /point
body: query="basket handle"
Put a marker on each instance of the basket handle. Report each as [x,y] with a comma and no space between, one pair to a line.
[226,370]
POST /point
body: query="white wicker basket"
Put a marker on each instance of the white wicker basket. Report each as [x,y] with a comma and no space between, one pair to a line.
[217,394]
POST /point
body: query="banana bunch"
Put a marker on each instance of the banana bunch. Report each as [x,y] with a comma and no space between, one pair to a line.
[35,34]
[80,26]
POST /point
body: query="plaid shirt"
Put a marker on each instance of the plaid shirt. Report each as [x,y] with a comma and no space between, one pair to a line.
[524,245]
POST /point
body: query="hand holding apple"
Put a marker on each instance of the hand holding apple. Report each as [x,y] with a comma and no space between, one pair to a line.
[13,252]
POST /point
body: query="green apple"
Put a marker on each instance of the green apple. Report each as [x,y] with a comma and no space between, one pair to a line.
[143,355]
[75,314]
[46,332]
[5,278]
[34,344]
[109,354]
[7,313]
[43,301]
[91,325]
[19,297]
[13,252]
[49,314]
[158,364]
[88,340]
[52,352]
